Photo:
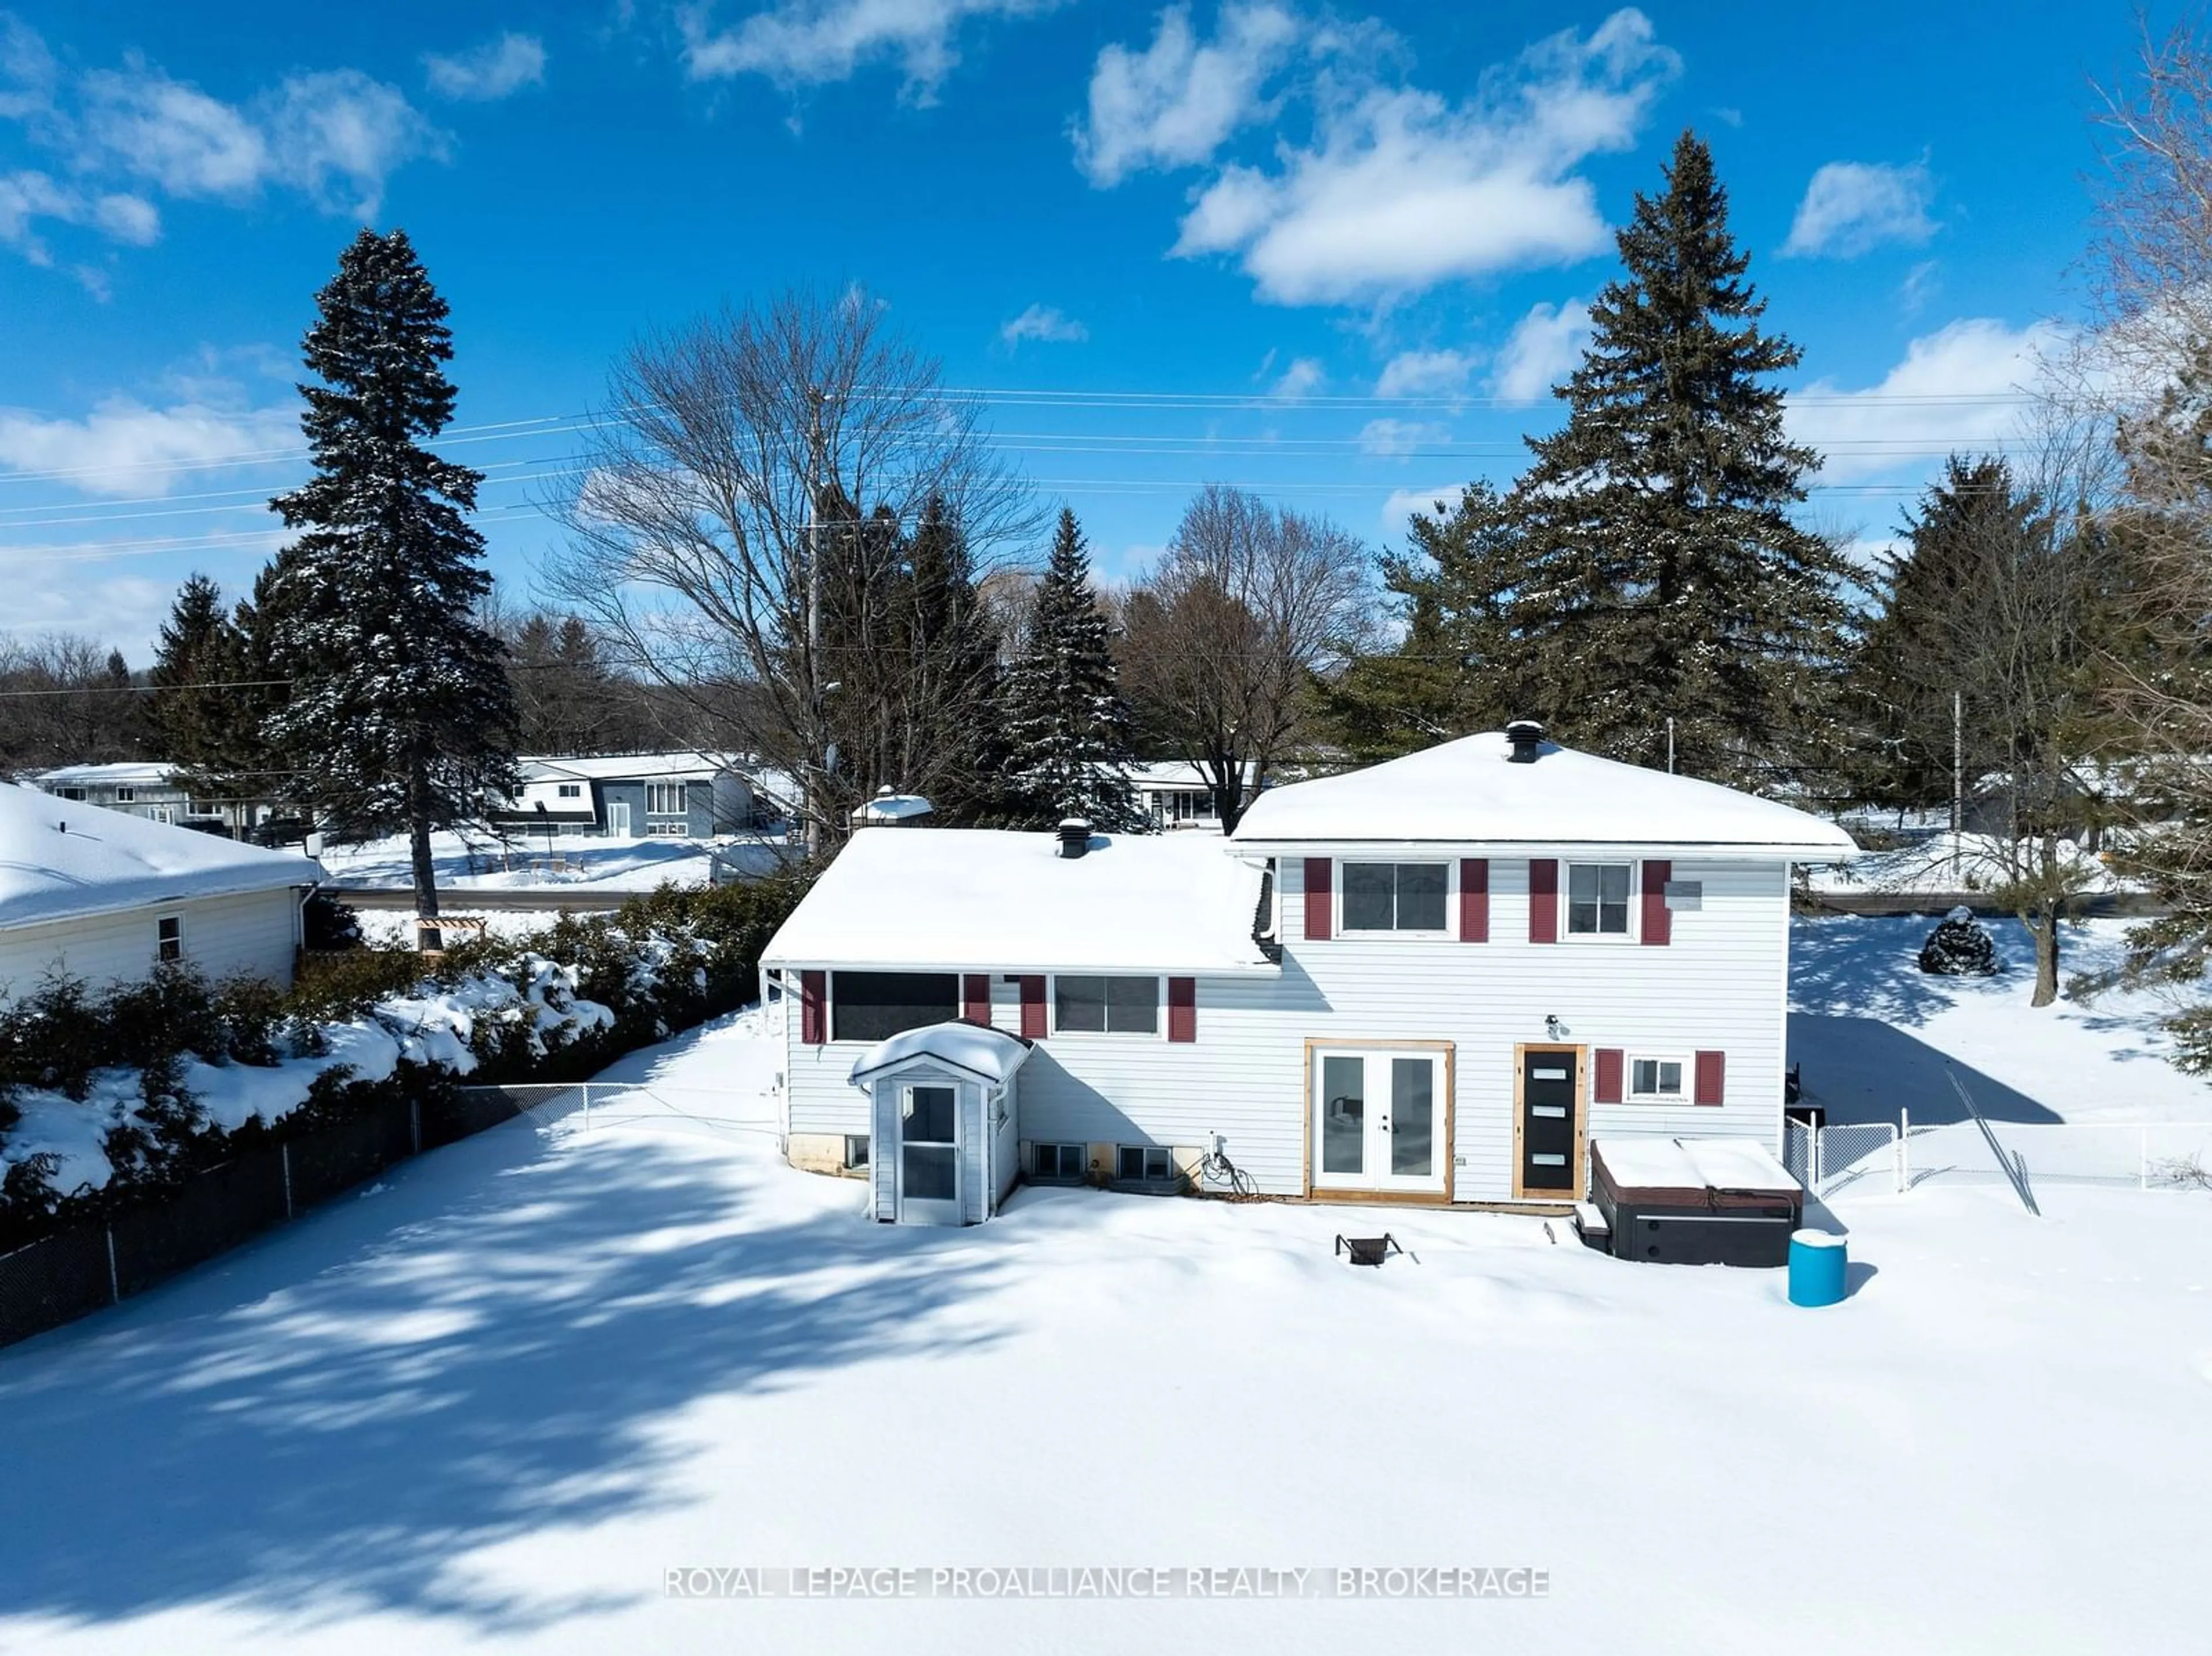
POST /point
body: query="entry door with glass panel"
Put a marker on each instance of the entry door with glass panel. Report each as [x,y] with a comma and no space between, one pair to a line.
[929,1156]
[618,819]
[1549,1166]
[1379,1121]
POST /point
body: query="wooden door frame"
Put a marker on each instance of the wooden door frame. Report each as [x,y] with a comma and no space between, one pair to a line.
[1402,1198]
[1521,1051]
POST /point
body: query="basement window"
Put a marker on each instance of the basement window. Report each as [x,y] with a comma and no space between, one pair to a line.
[169,937]
[856,1150]
[1064,1162]
[1136,1163]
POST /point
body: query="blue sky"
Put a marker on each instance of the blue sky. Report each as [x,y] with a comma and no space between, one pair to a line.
[1336,255]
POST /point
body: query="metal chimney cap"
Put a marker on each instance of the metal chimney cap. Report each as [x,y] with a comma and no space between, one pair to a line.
[1074,836]
[1527,736]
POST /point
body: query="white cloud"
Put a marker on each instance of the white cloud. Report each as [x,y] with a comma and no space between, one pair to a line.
[1299,381]
[811,42]
[334,134]
[125,447]
[1961,388]
[1542,350]
[1853,207]
[28,195]
[1403,503]
[1396,438]
[1043,321]
[1424,373]
[1174,103]
[1397,189]
[499,68]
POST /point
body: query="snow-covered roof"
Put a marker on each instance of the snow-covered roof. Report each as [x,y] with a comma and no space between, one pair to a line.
[108,860]
[1176,774]
[129,772]
[989,1055]
[891,808]
[621,767]
[1693,1164]
[1469,792]
[978,900]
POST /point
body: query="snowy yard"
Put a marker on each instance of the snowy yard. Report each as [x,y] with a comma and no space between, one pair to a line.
[478,862]
[489,1402]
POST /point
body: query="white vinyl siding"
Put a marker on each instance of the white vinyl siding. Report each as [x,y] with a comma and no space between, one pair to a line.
[252,933]
[1718,987]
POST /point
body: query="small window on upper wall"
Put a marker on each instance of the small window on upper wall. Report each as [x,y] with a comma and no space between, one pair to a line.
[571,790]
[876,1005]
[1395,896]
[1655,1078]
[169,937]
[1106,1006]
[1597,900]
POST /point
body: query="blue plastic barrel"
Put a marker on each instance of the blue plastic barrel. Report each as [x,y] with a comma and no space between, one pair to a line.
[1817,1263]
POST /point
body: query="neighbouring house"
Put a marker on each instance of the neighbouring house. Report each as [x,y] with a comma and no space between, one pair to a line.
[106,896]
[890,809]
[690,796]
[1435,980]
[1178,795]
[150,789]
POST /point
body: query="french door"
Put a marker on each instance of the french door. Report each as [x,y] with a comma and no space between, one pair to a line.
[1379,1119]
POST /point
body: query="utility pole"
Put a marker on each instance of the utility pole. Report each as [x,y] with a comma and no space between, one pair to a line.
[1957,779]
[1670,744]
[816,732]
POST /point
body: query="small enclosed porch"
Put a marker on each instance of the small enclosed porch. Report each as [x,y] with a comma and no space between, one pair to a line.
[945,1126]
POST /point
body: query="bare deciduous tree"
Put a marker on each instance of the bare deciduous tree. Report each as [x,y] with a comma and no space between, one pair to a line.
[1219,641]
[746,463]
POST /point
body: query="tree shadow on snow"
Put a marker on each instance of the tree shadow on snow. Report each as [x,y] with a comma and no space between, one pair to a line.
[323,1421]
[1862,1070]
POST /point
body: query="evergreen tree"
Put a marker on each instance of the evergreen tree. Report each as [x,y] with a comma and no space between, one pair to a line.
[1457,669]
[399,715]
[1067,724]
[206,710]
[951,649]
[1667,578]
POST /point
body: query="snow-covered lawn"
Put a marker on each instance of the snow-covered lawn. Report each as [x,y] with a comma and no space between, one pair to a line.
[490,1403]
[478,862]
[1939,860]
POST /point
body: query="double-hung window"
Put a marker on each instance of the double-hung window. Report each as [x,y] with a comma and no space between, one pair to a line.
[876,1005]
[1597,900]
[169,937]
[1395,896]
[1655,1080]
[1106,1006]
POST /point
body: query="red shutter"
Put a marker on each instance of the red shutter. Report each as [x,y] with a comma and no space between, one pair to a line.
[812,1005]
[975,997]
[1032,1007]
[1712,1068]
[1658,918]
[1183,1009]
[1474,899]
[1318,886]
[1605,1087]
[1543,899]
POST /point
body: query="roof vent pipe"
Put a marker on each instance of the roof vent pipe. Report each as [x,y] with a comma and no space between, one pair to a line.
[1074,836]
[1527,736]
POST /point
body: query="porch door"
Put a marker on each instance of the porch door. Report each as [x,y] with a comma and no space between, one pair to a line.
[618,819]
[1379,1121]
[1549,1099]
[929,1156]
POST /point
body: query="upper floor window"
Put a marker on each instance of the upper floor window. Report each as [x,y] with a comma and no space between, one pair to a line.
[1394,897]
[876,1005]
[1597,900]
[169,937]
[663,798]
[569,790]
[1106,1006]
[126,796]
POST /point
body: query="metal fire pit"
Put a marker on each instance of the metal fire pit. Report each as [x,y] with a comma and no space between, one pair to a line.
[1368,1250]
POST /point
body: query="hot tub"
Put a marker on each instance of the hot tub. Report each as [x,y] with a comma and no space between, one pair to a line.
[1695,1201]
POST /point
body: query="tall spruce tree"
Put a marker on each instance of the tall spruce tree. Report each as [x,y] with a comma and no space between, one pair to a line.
[1667,578]
[951,648]
[1066,723]
[204,713]
[1457,669]
[399,715]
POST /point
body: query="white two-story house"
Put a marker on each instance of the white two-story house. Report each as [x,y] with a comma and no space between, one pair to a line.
[1433,980]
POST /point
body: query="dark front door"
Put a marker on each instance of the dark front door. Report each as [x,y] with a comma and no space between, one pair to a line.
[1547,1123]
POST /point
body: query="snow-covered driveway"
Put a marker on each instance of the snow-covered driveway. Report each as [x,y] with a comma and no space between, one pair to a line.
[491,1402]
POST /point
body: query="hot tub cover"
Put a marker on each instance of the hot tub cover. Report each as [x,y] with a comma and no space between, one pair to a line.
[1692,1164]
[990,1055]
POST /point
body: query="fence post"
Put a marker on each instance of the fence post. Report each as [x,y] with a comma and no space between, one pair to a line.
[588,1107]
[114,1282]
[414,1126]
[1904,1150]
[1813,1157]
[284,1155]
[2142,1162]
